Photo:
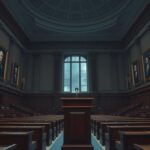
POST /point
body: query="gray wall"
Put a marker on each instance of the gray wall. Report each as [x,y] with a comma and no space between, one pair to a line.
[40,73]
[4,39]
[110,72]
[39,69]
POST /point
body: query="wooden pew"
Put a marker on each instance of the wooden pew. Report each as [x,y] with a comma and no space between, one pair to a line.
[10,147]
[53,129]
[48,128]
[22,139]
[55,120]
[128,139]
[97,120]
[38,135]
[104,125]
[113,134]
[141,147]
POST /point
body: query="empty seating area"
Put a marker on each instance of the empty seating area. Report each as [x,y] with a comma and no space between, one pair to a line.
[74,74]
[24,109]
[132,106]
[121,133]
[135,110]
[13,110]
[30,133]
[142,111]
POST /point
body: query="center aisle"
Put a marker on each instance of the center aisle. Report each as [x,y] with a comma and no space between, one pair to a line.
[57,144]
[96,144]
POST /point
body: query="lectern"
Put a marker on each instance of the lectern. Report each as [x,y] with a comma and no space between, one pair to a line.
[77,130]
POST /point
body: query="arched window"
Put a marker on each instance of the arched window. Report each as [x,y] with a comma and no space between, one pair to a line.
[75,73]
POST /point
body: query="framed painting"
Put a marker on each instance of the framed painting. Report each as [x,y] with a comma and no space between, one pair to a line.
[136,73]
[21,78]
[3,63]
[22,83]
[146,65]
[14,74]
[129,78]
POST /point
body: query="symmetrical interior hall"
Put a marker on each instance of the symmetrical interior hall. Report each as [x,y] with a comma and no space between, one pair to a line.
[51,49]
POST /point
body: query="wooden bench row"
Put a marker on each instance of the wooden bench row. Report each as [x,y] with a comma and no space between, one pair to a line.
[23,140]
[99,124]
[39,131]
[122,134]
[129,140]
[115,134]
[96,121]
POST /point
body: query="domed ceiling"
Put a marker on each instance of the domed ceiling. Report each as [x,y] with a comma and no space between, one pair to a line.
[75,20]
[75,15]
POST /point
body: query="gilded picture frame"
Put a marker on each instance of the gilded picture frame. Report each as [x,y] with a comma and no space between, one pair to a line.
[3,63]
[129,78]
[136,73]
[146,65]
[15,74]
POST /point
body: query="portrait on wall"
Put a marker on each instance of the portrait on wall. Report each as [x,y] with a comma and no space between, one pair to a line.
[146,65]
[21,78]
[14,74]
[136,72]
[3,63]
[129,78]
[22,82]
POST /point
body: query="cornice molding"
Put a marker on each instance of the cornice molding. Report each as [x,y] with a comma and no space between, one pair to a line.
[138,25]
[12,25]
[87,46]
[11,35]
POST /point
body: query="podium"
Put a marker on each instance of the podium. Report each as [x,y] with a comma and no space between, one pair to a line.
[77,130]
